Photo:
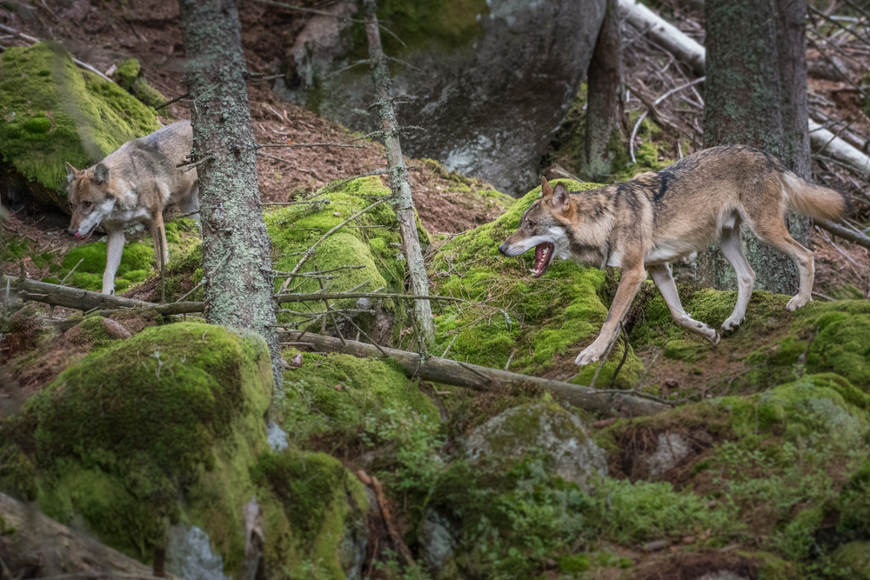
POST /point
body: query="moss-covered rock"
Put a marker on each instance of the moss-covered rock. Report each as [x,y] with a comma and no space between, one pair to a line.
[536,323]
[154,430]
[55,112]
[321,516]
[540,429]
[364,255]
[853,560]
[129,76]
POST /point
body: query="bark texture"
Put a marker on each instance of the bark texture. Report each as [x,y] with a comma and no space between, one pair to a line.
[749,101]
[403,203]
[604,104]
[236,251]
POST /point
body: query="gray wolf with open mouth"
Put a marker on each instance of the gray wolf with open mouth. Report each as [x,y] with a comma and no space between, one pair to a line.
[644,224]
[134,184]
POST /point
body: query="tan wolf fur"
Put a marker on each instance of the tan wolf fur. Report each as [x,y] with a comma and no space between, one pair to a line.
[644,224]
[134,184]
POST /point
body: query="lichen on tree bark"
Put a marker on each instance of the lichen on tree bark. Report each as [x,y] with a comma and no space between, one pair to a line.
[236,248]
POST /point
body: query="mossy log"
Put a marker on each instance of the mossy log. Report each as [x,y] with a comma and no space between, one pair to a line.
[35,545]
[442,370]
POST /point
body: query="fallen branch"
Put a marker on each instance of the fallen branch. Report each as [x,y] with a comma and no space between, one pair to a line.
[845,233]
[480,378]
[41,547]
[87,300]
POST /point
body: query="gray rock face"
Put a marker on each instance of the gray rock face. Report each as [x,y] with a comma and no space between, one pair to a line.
[671,449]
[189,555]
[487,81]
[540,428]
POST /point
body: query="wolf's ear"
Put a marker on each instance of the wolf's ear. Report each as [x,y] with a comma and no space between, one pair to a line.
[560,197]
[546,190]
[101,173]
[70,171]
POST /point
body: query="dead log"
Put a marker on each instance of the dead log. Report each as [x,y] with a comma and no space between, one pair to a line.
[32,545]
[692,53]
[480,378]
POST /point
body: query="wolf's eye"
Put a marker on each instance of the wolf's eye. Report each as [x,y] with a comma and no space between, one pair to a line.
[87,204]
[530,223]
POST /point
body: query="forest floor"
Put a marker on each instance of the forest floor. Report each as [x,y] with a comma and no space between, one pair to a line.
[103,34]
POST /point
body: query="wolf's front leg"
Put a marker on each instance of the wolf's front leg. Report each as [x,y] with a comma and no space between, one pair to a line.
[114,250]
[628,286]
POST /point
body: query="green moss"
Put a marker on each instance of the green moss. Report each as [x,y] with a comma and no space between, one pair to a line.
[137,257]
[55,112]
[452,24]
[323,507]
[854,503]
[842,342]
[164,411]
[853,560]
[129,76]
[532,321]
[686,349]
[373,250]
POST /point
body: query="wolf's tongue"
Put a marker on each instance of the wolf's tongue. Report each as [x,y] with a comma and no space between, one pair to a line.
[543,254]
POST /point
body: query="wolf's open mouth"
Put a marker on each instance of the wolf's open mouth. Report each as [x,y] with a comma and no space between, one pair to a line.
[88,234]
[543,256]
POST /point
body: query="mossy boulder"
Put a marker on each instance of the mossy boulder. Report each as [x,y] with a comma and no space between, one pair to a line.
[344,398]
[55,112]
[537,323]
[540,428]
[155,430]
[318,510]
[365,255]
[129,76]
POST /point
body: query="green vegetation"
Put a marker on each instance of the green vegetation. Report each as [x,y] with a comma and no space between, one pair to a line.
[55,112]
[320,518]
[129,76]
[174,421]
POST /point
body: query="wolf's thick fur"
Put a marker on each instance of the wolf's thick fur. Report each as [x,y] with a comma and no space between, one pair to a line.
[134,184]
[643,224]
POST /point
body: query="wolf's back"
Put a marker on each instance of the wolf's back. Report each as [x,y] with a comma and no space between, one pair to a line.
[813,200]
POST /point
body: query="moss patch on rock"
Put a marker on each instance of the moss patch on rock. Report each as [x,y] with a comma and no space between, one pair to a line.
[538,323]
[174,420]
[321,515]
[55,112]
[129,76]
[365,255]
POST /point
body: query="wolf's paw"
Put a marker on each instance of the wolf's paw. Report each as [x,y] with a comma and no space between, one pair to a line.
[731,323]
[796,302]
[590,354]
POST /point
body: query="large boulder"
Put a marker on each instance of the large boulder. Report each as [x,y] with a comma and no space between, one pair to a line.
[52,111]
[488,81]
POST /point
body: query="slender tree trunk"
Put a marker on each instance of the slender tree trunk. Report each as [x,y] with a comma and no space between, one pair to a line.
[236,256]
[744,104]
[403,202]
[604,104]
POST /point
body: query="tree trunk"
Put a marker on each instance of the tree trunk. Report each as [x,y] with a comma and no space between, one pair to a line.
[236,254]
[744,104]
[403,202]
[604,104]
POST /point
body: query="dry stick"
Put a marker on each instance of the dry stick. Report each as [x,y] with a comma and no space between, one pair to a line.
[656,102]
[403,201]
[310,251]
[71,271]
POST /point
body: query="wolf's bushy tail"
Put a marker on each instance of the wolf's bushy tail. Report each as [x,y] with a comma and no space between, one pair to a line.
[813,200]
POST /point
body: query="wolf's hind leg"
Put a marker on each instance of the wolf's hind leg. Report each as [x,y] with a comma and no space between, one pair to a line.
[663,279]
[774,232]
[732,249]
